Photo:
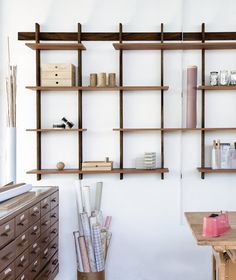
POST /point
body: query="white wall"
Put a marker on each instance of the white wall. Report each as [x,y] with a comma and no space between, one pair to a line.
[150,237]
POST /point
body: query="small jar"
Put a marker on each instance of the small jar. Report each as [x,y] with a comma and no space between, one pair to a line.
[214,78]
[224,78]
[233,77]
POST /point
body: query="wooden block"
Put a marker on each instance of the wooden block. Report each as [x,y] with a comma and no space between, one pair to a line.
[16,200]
[54,83]
[61,67]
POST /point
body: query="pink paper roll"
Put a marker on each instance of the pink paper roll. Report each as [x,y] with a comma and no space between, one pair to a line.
[191,117]
[84,254]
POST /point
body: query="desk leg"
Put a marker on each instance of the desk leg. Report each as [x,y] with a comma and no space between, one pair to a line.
[213,267]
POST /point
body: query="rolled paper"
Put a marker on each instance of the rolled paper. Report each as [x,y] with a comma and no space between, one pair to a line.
[98,196]
[79,196]
[109,235]
[86,199]
[84,255]
[112,79]
[107,222]
[191,117]
[78,251]
[91,275]
[93,79]
[102,81]
[92,221]
[99,216]
[97,244]
[88,241]
[104,242]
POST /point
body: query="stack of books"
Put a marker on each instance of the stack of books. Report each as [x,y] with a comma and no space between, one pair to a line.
[97,165]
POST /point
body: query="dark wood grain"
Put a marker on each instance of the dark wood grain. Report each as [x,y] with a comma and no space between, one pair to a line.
[38,101]
[203,105]
[121,101]
[162,100]
[175,129]
[56,129]
[80,103]
[88,88]
[210,170]
[128,36]
[208,87]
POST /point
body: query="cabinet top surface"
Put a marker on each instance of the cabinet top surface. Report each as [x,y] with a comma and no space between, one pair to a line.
[195,221]
[34,195]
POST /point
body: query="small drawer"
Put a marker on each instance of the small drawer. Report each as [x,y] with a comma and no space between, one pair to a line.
[64,67]
[22,242]
[34,213]
[54,215]
[54,199]
[7,232]
[45,239]
[45,206]
[45,222]
[34,269]
[54,231]
[8,273]
[55,83]
[46,274]
[7,254]
[24,276]
[54,261]
[34,232]
[22,262]
[22,222]
[55,272]
[46,254]
[55,74]
[34,250]
[54,246]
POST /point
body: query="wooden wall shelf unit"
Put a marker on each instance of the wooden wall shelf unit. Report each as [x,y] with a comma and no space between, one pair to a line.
[127,41]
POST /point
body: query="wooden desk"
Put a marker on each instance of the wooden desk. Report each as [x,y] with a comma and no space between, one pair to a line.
[224,247]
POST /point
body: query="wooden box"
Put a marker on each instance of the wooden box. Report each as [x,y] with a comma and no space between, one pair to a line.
[58,75]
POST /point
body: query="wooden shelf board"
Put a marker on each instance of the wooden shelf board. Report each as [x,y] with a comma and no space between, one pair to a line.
[210,170]
[208,87]
[176,46]
[175,129]
[87,88]
[118,171]
[55,46]
[55,129]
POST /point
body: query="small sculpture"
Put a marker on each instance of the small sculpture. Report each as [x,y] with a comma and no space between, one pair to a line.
[60,165]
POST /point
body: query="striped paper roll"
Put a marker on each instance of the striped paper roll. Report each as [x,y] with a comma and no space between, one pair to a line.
[97,244]
[191,117]
[88,240]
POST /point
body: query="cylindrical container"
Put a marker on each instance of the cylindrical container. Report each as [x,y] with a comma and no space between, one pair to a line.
[11,154]
[233,77]
[91,275]
[214,78]
[93,79]
[224,78]
[191,117]
[102,81]
[112,79]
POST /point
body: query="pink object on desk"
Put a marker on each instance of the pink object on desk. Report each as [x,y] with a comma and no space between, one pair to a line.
[216,224]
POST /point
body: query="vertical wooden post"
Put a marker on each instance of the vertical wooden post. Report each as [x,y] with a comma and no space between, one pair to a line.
[121,101]
[203,106]
[80,116]
[162,101]
[38,102]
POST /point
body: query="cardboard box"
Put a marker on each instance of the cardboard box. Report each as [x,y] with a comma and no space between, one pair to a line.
[61,67]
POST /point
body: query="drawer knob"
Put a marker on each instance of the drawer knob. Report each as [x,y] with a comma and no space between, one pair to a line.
[54,231]
[45,206]
[6,232]
[54,215]
[54,246]
[55,262]
[46,239]
[8,256]
[22,243]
